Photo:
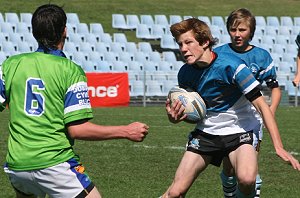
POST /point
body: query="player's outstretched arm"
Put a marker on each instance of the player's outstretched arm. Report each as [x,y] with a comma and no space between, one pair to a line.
[296,79]
[271,126]
[135,131]
[175,111]
[275,99]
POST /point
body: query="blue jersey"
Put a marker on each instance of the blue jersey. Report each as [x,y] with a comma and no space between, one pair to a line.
[223,85]
[2,92]
[258,60]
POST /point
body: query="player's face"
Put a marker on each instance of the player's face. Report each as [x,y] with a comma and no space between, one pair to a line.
[189,47]
[240,36]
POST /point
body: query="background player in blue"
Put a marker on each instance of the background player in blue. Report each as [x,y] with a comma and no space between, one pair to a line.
[228,88]
[49,106]
[241,28]
[296,79]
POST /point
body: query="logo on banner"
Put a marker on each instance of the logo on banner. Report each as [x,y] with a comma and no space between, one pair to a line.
[103,91]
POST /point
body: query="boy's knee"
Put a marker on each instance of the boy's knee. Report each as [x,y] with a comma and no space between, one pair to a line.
[247,180]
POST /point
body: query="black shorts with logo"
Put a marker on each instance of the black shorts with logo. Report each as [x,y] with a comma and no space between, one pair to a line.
[217,146]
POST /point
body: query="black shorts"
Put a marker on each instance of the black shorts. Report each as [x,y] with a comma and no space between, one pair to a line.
[217,146]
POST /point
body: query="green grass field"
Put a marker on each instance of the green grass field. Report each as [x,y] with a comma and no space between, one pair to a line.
[121,168]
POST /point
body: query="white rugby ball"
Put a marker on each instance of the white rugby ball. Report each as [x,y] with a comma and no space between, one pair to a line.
[195,107]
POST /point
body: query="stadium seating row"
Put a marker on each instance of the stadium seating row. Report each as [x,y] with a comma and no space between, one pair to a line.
[97,51]
[131,21]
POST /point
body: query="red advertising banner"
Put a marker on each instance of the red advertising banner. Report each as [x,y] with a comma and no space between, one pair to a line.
[108,89]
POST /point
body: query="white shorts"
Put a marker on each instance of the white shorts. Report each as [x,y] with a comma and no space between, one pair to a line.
[67,179]
[257,136]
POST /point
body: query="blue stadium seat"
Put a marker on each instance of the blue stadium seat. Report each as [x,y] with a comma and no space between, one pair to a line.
[119,37]
[7,27]
[218,21]
[205,19]
[141,56]
[167,42]
[273,21]
[143,32]
[260,21]
[145,47]
[169,56]
[160,76]
[260,30]
[154,88]
[12,17]
[119,66]
[138,88]
[110,56]
[286,21]
[272,30]
[131,47]
[292,91]
[174,19]
[117,47]
[156,31]
[9,47]
[91,38]
[279,48]
[88,66]
[119,22]
[1,18]
[161,19]
[106,38]
[102,47]
[147,20]
[285,30]
[22,27]
[155,56]
[75,38]
[135,66]
[103,66]
[95,56]
[150,66]
[86,47]
[126,56]
[177,65]
[296,21]
[71,47]
[82,28]
[132,21]
[282,39]
[96,28]
[165,66]
[72,18]
[187,17]
[79,57]
[3,57]
[15,37]
[25,17]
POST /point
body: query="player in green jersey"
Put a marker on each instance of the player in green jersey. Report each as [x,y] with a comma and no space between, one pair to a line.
[47,95]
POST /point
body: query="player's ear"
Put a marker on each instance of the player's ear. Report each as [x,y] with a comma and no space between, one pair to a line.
[65,33]
[205,44]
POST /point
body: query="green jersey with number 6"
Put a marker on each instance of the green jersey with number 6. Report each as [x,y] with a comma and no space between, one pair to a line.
[44,92]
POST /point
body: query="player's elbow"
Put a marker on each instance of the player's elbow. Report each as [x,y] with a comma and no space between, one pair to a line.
[76,131]
[73,132]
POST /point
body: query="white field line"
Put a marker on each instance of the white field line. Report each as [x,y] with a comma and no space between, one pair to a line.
[172,147]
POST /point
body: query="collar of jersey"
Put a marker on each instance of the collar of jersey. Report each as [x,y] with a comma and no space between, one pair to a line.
[50,51]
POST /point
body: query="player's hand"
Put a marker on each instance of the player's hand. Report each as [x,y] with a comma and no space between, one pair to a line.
[288,158]
[296,81]
[175,111]
[137,131]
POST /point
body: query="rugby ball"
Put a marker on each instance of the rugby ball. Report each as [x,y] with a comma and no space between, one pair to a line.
[195,107]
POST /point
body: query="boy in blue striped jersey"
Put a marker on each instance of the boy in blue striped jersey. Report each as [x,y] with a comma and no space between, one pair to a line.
[229,90]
